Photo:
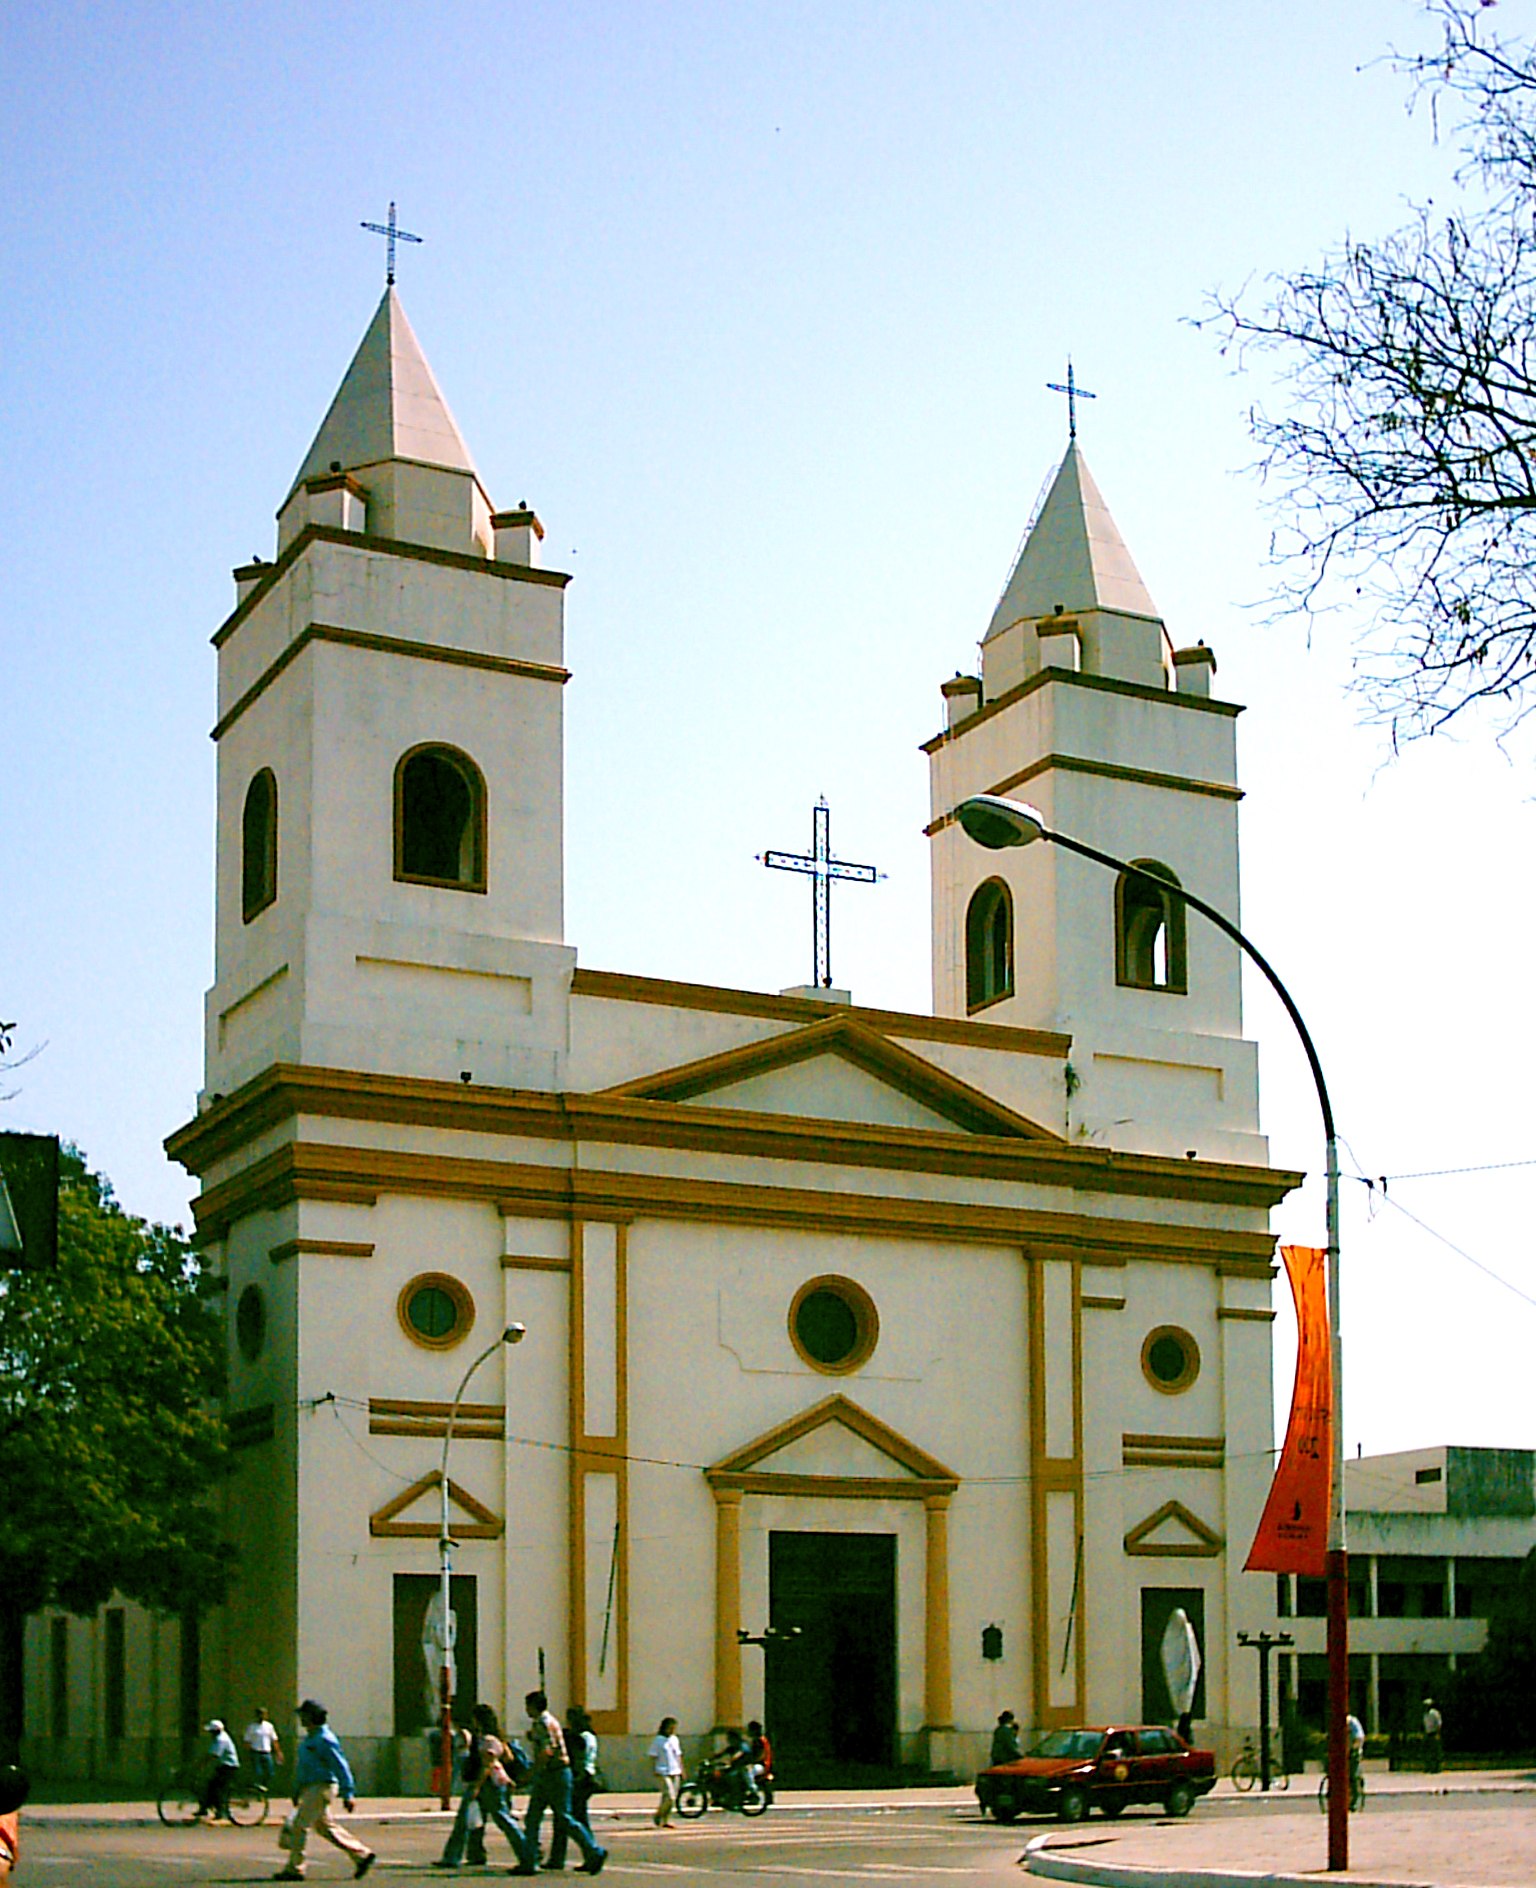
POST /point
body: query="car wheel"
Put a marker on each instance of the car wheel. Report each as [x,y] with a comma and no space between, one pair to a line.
[1004,1808]
[1180,1801]
[1073,1806]
[1114,1808]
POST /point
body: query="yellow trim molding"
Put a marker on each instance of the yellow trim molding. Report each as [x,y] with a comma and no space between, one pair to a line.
[1205,1543]
[483,1523]
[321,1249]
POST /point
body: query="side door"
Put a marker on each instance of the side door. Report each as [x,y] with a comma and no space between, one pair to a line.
[1159,1764]
[1114,1780]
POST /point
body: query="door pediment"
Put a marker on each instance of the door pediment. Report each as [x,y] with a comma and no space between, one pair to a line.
[835,1448]
[1173,1532]
[474,1522]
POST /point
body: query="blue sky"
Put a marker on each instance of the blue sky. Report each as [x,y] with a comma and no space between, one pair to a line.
[756,306]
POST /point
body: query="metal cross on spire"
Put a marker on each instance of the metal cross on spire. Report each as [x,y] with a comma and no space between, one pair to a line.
[1074,393]
[393,231]
[822,868]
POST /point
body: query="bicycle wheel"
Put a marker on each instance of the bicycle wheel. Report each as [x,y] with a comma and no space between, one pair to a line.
[248,1802]
[1245,1772]
[1322,1794]
[692,1800]
[178,1800]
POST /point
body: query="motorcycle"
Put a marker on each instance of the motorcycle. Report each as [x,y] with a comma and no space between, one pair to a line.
[720,1784]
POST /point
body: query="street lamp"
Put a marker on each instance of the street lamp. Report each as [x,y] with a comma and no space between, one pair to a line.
[995,822]
[513,1334]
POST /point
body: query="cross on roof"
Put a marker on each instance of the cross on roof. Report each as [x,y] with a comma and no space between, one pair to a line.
[822,868]
[392,230]
[1074,393]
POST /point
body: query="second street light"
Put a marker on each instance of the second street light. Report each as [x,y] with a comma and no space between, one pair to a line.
[513,1334]
[997,823]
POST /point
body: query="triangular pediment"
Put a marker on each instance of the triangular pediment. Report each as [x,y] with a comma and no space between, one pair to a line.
[834,1447]
[841,1070]
[473,1522]
[1173,1531]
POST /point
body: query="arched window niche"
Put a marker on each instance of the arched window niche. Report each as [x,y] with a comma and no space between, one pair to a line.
[1149,931]
[988,945]
[258,846]
[440,819]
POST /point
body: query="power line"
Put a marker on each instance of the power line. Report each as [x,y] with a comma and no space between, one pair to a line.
[1443,1173]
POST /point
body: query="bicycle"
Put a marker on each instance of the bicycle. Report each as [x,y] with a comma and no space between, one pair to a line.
[1356,1789]
[1245,1769]
[181,1794]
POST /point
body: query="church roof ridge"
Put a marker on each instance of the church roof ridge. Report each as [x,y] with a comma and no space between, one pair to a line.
[388,406]
[1073,558]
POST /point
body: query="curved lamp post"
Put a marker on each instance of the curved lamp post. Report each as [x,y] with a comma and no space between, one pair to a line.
[995,822]
[513,1334]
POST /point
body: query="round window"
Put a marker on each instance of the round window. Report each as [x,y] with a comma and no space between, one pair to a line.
[436,1310]
[833,1324]
[251,1323]
[1170,1359]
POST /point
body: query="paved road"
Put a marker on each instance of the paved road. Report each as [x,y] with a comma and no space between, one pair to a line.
[930,1847]
[1475,1837]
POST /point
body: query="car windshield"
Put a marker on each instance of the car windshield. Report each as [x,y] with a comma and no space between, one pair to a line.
[1079,1744]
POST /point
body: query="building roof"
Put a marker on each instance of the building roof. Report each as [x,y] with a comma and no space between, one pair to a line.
[388,406]
[1074,558]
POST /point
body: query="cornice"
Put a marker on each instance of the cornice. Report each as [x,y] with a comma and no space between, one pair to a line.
[387,645]
[1077,678]
[389,547]
[286,1091]
[301,1170]
[620,987]
[1103,770]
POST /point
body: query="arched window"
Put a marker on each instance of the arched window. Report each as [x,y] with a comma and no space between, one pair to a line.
[988,945]
[1149,931]
[440,819]
[258,845]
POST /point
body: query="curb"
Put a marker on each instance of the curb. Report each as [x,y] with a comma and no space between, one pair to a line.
[1038,1859]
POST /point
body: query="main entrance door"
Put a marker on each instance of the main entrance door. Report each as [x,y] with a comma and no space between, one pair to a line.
[831,1688]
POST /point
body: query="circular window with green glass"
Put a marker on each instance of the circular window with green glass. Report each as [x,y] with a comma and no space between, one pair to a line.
[436,1310]
[833,1324]
[1170,1359]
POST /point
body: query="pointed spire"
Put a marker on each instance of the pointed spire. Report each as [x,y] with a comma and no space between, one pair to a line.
[1073,559]
[388,406]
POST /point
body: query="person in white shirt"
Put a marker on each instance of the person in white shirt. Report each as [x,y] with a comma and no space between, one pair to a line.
[667,1762]
[261,1740]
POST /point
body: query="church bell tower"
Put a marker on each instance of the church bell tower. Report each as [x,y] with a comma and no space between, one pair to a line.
[389,732]
[1086,710]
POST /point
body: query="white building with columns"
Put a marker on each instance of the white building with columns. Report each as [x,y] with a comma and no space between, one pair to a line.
[943,1338]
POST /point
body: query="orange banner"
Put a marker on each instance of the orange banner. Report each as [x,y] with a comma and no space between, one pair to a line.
[1293,1534]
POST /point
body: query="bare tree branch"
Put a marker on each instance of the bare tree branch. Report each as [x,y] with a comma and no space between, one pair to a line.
[1401,452]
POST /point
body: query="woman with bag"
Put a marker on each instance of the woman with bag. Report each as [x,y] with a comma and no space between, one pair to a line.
[486,1798]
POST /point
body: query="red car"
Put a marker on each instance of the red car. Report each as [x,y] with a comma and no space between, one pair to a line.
[1070,1772]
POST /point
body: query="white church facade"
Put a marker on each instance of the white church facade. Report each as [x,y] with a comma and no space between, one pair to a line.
[932,1350]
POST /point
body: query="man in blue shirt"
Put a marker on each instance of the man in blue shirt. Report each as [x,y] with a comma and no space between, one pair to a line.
[321,1774]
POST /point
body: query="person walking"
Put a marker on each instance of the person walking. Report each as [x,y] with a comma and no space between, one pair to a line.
[1434,1725]
[486,1799]
[1005,1739]
[551,1786]
[261,1740]
[667,1762]
[321,1774]
[224,1762]
[581,1748]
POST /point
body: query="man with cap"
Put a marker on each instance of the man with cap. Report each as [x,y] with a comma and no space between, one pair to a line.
[321,1774]
[224,1761]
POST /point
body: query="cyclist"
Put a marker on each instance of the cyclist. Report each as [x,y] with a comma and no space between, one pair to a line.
[224,1761]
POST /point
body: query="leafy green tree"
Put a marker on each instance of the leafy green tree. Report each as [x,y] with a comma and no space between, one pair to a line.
[1402,447]
[111,1441]
[1492,1699]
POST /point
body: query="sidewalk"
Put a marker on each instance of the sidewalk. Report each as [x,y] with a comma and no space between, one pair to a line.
[1410,1835]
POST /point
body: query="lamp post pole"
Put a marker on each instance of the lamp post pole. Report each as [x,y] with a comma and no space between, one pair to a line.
[513,1334]
[995,822]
